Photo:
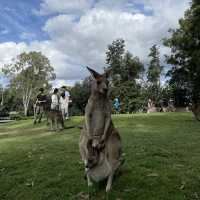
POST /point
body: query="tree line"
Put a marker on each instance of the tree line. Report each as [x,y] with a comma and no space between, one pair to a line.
[130,80]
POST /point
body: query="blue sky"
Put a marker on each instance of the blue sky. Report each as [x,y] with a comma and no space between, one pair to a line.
[76,33]
[18,21]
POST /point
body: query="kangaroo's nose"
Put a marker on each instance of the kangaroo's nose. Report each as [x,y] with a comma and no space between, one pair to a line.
[105,89]
[87,167]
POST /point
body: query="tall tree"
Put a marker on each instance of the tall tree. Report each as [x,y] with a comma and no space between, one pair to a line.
[155,69]
[154,75]
[114,57]
[1,95]
[27,74]
[185,53]
[125,70]
[80,93]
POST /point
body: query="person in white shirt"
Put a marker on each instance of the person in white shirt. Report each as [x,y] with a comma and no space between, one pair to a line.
[63,105]
[55,100]
[67,101]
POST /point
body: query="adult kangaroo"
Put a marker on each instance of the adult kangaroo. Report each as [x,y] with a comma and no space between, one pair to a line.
[100,143]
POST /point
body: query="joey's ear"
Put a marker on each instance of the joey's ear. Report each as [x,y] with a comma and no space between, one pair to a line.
[95,74]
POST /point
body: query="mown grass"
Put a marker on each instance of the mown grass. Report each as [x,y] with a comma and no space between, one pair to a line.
[162,160]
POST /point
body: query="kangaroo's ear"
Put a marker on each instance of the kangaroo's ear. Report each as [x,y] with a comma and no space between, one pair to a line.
[107,72]
[95,74]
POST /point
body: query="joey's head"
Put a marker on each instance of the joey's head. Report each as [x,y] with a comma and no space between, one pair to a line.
[99,82]
[95,157]
[92,155]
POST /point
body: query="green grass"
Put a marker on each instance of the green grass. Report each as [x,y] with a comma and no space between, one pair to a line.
[162,160]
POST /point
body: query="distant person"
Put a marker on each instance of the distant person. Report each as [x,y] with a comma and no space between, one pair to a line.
[171,107]
[39,106]
[150,103]
[117,105]
[67,101]
[63,105]
[55,100]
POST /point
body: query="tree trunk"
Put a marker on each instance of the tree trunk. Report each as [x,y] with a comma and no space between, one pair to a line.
[25,110]
[26,100]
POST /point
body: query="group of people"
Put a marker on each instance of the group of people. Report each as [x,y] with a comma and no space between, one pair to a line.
[57,101]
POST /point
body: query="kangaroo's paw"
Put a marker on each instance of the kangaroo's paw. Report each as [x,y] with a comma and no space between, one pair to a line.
[90,183]
[108,188]
[109,182]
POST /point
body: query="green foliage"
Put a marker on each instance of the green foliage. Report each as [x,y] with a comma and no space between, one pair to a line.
[154,75]
[124,70]
[29,72]
[114,56]
[155,69]
[185,54]
[17,116]
[80,93]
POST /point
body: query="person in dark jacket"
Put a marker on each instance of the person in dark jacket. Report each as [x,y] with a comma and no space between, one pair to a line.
[39,106]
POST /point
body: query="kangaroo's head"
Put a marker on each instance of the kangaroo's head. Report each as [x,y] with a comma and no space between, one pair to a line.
[99,82]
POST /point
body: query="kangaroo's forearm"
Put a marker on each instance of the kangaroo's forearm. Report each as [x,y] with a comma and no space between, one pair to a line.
[107,125]
[87,123]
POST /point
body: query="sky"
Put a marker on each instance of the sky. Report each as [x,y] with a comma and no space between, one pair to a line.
[75,33]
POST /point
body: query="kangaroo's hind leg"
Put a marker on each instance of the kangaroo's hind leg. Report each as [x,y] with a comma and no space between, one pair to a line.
[113,150]
[83,151]
[115,167]
[109,182]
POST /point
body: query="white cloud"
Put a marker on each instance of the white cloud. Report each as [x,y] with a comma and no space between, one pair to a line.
[81,30]
[66,73]
[10,50]
[48,7]
[85,40]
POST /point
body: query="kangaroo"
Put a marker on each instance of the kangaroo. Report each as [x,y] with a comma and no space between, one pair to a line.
[100,143]
[56,119]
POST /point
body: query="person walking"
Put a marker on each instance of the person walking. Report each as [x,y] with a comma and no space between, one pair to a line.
[39,106]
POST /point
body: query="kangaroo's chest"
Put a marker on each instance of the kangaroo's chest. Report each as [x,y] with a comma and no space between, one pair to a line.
[98,117]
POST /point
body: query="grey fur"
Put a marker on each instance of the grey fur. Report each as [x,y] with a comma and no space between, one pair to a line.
[100,143]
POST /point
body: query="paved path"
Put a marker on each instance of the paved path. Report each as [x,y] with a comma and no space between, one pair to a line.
[5,121]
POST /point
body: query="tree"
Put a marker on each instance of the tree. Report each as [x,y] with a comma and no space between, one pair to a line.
[125,70]
[154,75]
[114,57]
[1,95]
[80,93]
[185,54]
[27,74]
[155,69]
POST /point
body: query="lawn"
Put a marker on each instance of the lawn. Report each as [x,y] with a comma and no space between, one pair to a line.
[162,154]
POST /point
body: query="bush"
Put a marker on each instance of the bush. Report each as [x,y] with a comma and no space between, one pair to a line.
[17,115]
